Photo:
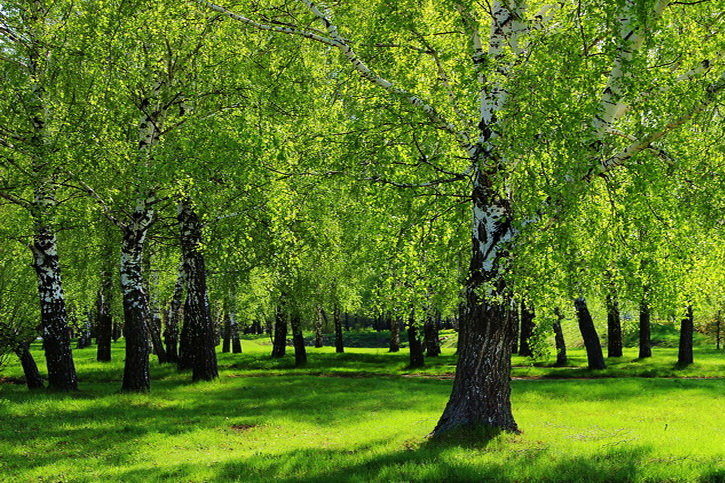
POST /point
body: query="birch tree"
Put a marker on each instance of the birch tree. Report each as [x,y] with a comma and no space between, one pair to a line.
[504,45]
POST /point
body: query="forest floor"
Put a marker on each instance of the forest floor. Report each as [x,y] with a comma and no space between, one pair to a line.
[364,416]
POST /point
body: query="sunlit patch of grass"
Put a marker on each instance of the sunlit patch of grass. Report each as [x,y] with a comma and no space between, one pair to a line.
[353,417]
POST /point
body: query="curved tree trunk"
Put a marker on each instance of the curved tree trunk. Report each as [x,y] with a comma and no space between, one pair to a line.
[30,368]
[645,344]
[527,330]
[614,327]
[154,327]
[279,344]
[561,359]
[339,345]
[394,334]
[595,357]
[298,340]
[687,330]
[197,314]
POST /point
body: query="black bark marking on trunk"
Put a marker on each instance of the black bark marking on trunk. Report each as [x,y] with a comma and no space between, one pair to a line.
[645,343]
[136,377]
[527,330]
[512,314]
[480,400]
[687,330]
[30,368]
[279,344]
[614,327]
[339,343]
[53,315]
[197,313]
[298,341]
[595,357]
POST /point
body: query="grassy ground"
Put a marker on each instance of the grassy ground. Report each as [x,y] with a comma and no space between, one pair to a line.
[363,416]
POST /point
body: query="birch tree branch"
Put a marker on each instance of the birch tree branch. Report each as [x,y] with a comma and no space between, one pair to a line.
[335,40]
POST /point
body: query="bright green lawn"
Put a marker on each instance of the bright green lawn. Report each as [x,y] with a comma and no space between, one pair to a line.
[263,420]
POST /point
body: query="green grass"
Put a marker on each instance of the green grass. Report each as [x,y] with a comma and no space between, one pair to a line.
[359,417]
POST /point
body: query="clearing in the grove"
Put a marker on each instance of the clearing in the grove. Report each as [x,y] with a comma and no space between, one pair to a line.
[362,416]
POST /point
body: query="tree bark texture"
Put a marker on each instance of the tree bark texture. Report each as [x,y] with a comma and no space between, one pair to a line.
[595,357]
[197,314]
[173,315]
[394,334]
[53,315]
[561,359]
[645,343]
[614,327]
[227,334]
[513,316]
[318,328]
[481,396]
[527,330]
[417,358]
[298,340]
[136,376]
[30,369]
[687,331]
[279,344]
[339,343]
[104,320]
[236,341]
[432,341]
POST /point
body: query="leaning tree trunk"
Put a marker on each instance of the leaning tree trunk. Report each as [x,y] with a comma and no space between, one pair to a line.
[197,314]
[595,358]
[53,316]
[171,331]
[279,344]
[687,330]
[30,368]
[394,334]
[481,395]
[298,340]
[561,359]
[645,342]
[614,328]
[414,344]
[136,376]
[432,341]
[527,330]
[339,345]
[104,320]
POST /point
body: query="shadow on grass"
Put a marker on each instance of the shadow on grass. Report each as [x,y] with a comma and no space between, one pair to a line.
[423,462]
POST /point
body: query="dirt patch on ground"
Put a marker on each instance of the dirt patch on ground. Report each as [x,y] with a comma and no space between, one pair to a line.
[242,427]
